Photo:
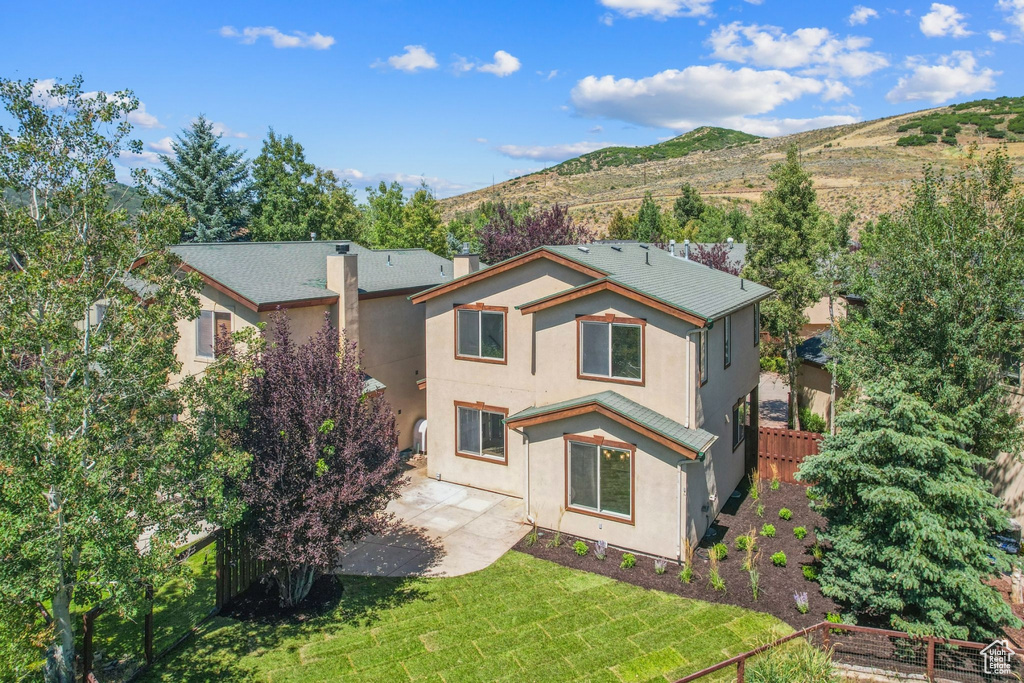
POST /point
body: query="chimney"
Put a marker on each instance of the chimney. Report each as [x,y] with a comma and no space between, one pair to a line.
[686,249]
[465,263]
[672,247]
[343,278]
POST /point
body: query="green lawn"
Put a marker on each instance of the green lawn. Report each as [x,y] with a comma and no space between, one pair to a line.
[174,613]
[520,619]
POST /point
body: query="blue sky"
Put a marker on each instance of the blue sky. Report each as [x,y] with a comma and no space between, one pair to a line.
[463,92]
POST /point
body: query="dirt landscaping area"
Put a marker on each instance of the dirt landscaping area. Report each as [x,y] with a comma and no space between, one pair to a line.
[776,585]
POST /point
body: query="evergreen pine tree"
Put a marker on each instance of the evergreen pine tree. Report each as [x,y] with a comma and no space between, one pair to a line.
[908,518]
[648,220]
[209,181]
[688,206]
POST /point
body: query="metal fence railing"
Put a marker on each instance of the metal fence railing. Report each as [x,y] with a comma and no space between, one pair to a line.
[883,655]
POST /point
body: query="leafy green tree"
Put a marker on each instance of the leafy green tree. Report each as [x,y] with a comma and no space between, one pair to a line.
[92,455]
[688,206]
[384,215]
[622,227]
[295,200]
[717,224]
[833,262]
[908,517]
[781,253]
[422,225]
[209,181]
[648,220]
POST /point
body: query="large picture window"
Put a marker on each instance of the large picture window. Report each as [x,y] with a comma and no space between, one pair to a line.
[480,333]
[612,349]
[480,432]
[599,477]
[209,326]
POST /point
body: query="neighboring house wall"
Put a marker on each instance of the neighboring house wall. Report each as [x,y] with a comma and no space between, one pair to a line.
[541,368]
[1007,471]
[817,315]
[815,386]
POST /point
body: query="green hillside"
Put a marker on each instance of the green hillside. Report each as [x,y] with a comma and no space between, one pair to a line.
[702,139]
[999,118]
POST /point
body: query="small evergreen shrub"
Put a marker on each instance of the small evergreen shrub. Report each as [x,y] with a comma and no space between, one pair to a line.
[800,532]
[742,542]
[768,530]
[686,576]
[786,514]
[916,140]
[628,561]
[659,567]
[716,581]
[580,548]
[811,421]
[719,551]
[775,484]
[779,559]
[760,510]
[810,572]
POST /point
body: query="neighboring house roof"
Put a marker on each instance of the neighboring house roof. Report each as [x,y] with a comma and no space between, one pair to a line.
[812,349]
[371,384]
[268,274]
[686,286]
[692,443]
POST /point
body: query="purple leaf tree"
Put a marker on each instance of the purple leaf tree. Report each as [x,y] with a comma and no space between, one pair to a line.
[505,235]
[325,459]
[717,256]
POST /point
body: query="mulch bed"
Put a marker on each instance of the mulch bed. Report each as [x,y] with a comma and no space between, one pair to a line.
[260,602]
[777,584]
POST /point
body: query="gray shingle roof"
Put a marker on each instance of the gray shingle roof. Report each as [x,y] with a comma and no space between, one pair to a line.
[813,349]
[278,272]
[695,439]
[688,285]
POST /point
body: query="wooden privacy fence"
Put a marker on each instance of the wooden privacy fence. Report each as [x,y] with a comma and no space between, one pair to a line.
[864,653]
[780,452]
[237,569]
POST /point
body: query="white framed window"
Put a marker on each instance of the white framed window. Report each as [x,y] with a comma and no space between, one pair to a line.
[480,333]
[728,340]
[757,324]
[611,349]
[209,326]
[702,356]
[740,421]
[599,477]
[480,432]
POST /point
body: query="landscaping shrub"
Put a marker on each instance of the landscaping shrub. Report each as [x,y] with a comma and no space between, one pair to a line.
[803,604]
[774,364]
[580,548]
[716,581]
[755,580]
[600,549]
[810,572]
[800,532]
[768,530]
[659,567]
[811,421]
[802,662]
[531,538]
[779,559]
[817,551]
[786,514]
[686,576]
[719,551]
[628,561]
[760,510]
[742,542]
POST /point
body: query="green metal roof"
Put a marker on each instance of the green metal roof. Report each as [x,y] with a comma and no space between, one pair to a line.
[281,272]
[696,440]
[685,284]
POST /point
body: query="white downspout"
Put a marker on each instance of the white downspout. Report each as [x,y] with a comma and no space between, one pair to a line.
[681,517]
[691,374]
[526,491]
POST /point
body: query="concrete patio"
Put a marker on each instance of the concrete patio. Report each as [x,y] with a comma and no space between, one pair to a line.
[444,530]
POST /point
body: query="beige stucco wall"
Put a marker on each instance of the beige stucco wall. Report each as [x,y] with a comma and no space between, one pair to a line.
[817,314]
[815,389]
[391,337]
[1007,473]
[542,369]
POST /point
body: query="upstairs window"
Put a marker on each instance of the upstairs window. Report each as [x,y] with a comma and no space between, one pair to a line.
[740,421]
[209,327]
[611,348]
[728,340]
[480,333]
[757,324]
[481,432]
[702,356]
[600,477]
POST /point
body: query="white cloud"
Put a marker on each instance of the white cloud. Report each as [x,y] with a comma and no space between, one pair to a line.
[42,96]
[412,60]
[222,130]
[607,19]
[817,50]
[482,141]
[162,146]
[548,75]
[503,65]
[860,15]
[996,36]
[658,9]
[694,96]
[944,20]
[953,75]
[516,172]
[1015,10]
[596,130]
[835,90]
[769,127]
[442,187]
[551,152]
[136,159]
[250,34]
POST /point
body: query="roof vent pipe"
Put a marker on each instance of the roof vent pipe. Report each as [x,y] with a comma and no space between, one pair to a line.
[648,258]
[312,237]
[389,260]
[731,242]
[442,270]
[672,247]
[465,247]
[686,249]
[341,248]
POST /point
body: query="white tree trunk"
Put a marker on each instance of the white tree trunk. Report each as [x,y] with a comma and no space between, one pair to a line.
[60,658]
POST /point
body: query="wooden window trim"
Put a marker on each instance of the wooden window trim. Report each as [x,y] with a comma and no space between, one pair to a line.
[611,318]
[504,328]
[601,441]
[727,341]
[479,405]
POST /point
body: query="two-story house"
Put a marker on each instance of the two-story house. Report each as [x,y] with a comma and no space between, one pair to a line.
[364,292]
[609,386]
